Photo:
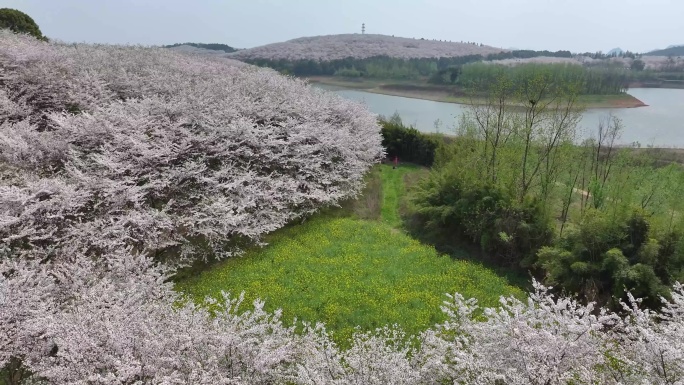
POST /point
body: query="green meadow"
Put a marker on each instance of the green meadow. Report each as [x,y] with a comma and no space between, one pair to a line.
[346,271]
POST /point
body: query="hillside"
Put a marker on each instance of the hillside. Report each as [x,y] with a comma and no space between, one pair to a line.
[334,47]
[670,51]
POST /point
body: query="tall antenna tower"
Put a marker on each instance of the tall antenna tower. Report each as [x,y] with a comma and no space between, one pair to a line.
[363,28]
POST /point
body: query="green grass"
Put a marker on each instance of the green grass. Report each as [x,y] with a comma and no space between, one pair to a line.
[393,192]
[347,272]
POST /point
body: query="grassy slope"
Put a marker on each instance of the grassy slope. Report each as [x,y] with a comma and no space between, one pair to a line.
[420,90]
[346,272]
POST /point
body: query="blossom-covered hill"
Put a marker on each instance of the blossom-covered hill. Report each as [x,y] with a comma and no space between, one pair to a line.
[110,147]
[333,47]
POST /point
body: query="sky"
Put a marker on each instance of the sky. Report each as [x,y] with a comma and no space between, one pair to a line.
[574,25]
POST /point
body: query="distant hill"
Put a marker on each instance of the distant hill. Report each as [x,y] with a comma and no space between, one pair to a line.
[670,51]
[335,47]
[615,52]
[210,46]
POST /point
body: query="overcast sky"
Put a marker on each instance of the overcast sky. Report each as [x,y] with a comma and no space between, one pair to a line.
[575,25]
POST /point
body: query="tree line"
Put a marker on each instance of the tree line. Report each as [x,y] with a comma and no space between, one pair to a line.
[590,81]
[465,71]
[210,46]
[389,67]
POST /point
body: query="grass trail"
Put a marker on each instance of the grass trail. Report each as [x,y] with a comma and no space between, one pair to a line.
[349,272]
[392,192]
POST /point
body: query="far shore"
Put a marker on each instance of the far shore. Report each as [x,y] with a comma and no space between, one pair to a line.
[446,94]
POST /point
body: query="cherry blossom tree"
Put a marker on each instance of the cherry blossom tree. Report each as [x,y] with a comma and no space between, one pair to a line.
[111,156]
[651,344]
[120,322]
[542,340]
[111,147]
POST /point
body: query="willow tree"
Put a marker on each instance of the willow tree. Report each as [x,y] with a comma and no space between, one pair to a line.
[493,124]
[549,118]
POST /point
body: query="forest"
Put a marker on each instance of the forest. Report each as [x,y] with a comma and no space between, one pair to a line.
[590,81]
[601,74]
[135,180]
[464,72]
[388,67]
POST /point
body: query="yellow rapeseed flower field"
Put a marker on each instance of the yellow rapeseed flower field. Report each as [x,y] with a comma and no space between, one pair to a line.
[348,272]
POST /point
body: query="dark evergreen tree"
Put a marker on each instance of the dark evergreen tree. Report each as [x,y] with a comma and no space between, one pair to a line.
[19,22]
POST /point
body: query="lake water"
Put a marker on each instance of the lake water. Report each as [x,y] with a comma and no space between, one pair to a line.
[661,124]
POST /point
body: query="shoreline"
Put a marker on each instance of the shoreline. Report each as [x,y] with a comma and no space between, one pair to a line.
[445,94]
[666,86]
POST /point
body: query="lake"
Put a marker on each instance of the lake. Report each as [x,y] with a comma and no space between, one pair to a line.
[661,124]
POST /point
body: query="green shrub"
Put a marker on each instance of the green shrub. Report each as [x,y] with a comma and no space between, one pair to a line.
[605,255]
[407,143]
[484,215]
